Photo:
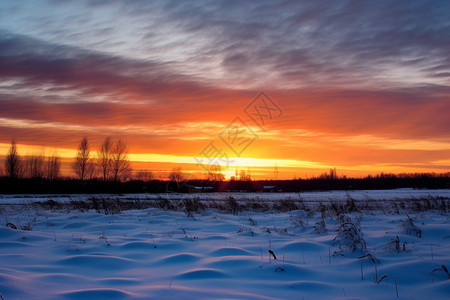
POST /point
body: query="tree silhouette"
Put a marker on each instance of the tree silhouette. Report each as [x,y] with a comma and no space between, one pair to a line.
[214,173]
[82,161]
[91,170]
[34,165]
[144,175]
[121,169]
[245,176]
[176,175]
[53,166]
[13,164]
[104,160]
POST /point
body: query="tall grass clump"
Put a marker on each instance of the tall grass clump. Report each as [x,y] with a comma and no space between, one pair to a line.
[349,237]
[410,228]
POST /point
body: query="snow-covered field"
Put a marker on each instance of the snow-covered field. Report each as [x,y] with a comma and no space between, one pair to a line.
[322,252]
[397,194]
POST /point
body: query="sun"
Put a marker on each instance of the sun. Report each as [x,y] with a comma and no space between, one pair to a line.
[228,174]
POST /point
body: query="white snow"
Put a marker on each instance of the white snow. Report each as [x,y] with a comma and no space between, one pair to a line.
[152,253]
[317,196]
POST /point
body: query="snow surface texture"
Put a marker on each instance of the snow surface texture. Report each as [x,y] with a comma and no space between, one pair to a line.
[161,254]
[371,195]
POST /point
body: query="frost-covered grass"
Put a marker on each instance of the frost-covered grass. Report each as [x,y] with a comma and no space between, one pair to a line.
[193,249]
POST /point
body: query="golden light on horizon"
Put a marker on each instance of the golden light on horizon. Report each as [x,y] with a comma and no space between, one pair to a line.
[261,168]
[228,174]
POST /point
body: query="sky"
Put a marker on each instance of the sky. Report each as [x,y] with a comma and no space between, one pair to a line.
[281,88]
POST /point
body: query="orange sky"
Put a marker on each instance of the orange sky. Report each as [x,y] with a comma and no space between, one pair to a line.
[350,86]
[315,132]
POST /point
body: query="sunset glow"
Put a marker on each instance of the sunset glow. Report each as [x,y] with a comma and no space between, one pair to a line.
[360,87]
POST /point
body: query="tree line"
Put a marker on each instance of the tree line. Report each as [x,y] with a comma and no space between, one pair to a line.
[36,166]
[110,164]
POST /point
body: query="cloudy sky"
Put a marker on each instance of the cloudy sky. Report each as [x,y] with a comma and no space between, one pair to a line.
[363,86]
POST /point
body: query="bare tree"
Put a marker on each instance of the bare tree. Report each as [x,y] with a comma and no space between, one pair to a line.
[144,176]
[214,173]
[105,159]
[13,164]
[176,175]
[82,160]
[121,169]
[53,166]
[34,165]
[331,175]
[91,170]
[245,176]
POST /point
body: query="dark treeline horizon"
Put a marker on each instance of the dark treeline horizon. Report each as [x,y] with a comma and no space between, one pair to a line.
[93,186]
[110,171]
